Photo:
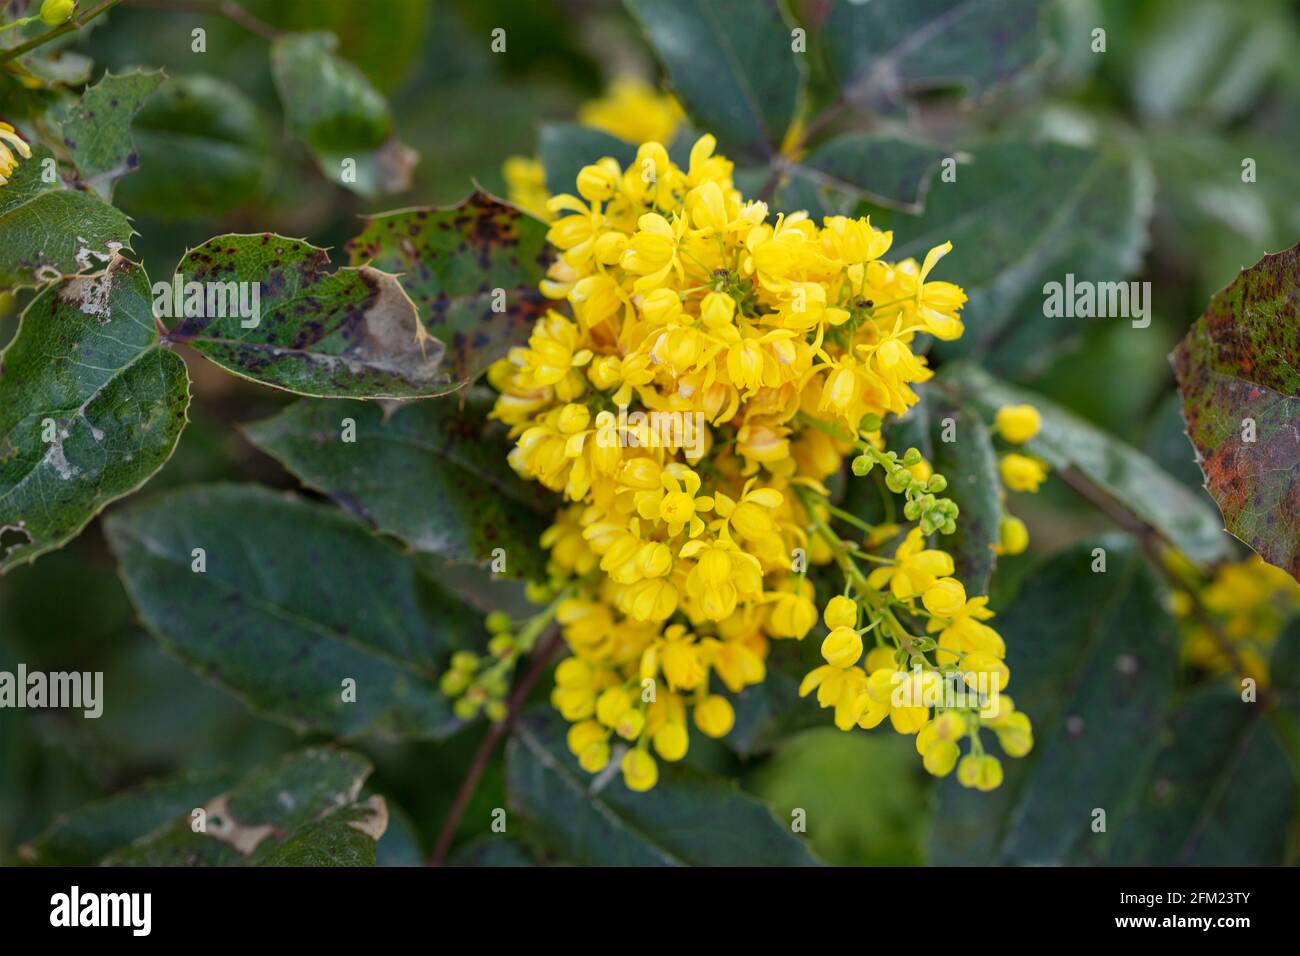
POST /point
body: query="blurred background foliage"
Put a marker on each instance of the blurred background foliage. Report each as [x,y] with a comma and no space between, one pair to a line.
[1195,86]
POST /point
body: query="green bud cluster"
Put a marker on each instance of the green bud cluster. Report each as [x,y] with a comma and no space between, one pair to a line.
[930,512]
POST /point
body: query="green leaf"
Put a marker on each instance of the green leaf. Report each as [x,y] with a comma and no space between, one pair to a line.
[341,116]
[472,269]
[494,850]
[205,146]
[566,147]
[1093,660]
[732,65]
[89,833]
[1021,215]
[90,407]
[434,474]
[885,51]
[971,467]
[1239,376]
[1181,516]
[294,600]
[1220,792]
[688,819]
[301,811]
[859,167]
[51,230]
[352,333]
[97,128]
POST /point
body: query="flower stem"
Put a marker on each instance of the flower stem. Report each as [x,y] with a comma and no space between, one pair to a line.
[75,23]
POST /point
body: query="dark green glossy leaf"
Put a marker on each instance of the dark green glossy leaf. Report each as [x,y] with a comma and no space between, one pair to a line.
[688,819]
[341,116]
[1220,792]
[432,473]
[97,128]
[884,51]
[300,811]
[859,167]
[50,230]
[90,408]
[1239,376]
[1182,516]
[1093,659]
[296,600]
[566,147]
[88,834]
[1021,215]
[205,147]
[492,851]
[452,261]
[353,333]
[971,467]
[732,65]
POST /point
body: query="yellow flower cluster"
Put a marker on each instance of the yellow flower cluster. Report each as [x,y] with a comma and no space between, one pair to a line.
[631,109]
[1245,605]
[8,163]
[718,364]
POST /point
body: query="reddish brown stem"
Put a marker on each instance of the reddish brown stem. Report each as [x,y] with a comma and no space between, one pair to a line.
[546,649]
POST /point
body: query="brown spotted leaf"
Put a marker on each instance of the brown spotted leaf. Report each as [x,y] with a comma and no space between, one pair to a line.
[472,270]
[265,308]
[1239,376]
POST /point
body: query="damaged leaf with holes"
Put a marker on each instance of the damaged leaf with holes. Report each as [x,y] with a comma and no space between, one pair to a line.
[91,406]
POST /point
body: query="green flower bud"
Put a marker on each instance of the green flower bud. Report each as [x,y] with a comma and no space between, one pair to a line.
[937,482]
[464,661]
[464,708]
[870,422]
[503,645]
[498,622]
[453,683]
[55,12]
[862,465]
[911,457]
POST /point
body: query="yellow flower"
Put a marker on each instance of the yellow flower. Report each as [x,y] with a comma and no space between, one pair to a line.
[1021,472]
[9,138]
[708,364]
[1017,423]
[526,185]
[633,111]
[915,570]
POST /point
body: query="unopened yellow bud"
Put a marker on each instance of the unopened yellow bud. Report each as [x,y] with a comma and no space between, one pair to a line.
[55,12]
[640,772]
[944,598]
[714,716]
[596,183]
[941,757]
[841,612]
[611,705]
[982,773]
[1021,472]
[671,741]
[842,647]
[1017,423]
[1013,536]
[1016,734]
